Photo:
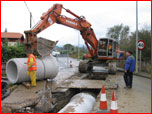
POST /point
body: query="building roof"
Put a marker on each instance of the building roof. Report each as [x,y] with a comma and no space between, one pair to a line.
[11,35]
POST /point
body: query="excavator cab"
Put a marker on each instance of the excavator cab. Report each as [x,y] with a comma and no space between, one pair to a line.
[107,48]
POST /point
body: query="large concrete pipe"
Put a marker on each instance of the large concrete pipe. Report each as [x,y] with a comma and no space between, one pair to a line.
[16,70]
[80,103]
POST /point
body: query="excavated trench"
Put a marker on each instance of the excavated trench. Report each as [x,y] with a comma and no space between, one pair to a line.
[75,101]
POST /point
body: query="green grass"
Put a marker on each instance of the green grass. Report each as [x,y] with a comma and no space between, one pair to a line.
[3,75]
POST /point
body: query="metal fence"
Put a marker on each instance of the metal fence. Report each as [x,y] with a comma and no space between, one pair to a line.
[3,68]
[145,64]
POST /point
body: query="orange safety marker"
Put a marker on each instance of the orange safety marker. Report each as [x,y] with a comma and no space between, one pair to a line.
[70,64]
[103,100]
[114,107]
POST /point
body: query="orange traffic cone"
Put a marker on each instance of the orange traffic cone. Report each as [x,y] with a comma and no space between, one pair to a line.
[114,107]
[103,100]
[70,64]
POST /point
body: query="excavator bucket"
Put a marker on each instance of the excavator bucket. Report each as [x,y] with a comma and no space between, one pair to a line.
[45,46]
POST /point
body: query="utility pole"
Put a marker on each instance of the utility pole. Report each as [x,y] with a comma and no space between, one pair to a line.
[78,47]
[140,62]
[30,20]
[137,36]
[30,14]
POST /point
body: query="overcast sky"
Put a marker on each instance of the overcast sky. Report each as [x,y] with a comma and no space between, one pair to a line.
[102,15]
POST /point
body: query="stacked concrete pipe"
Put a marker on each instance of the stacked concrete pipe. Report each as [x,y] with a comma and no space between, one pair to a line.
[16,70]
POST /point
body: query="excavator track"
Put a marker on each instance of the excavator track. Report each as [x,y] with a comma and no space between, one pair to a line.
[85,67]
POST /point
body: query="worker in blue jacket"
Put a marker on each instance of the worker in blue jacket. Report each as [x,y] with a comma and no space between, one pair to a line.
[129,69]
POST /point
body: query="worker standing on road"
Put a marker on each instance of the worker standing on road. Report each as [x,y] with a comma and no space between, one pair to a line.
[129,69]
[32,67]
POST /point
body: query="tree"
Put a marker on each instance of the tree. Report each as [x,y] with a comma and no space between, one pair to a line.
[118,32]
[69,47]
[144,35]
[8,52]
[128,42]
[124,32]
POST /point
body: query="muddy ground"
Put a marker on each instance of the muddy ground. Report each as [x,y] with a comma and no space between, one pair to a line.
[135,100]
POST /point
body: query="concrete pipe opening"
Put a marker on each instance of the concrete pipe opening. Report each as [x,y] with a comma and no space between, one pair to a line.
[12,71]
[16,70]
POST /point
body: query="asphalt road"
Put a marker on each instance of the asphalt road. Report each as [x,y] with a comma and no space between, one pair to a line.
[137,99]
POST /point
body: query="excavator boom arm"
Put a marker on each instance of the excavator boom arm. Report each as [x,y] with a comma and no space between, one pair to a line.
[53,15]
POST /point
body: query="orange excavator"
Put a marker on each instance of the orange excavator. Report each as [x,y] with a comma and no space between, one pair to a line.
[100,51]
